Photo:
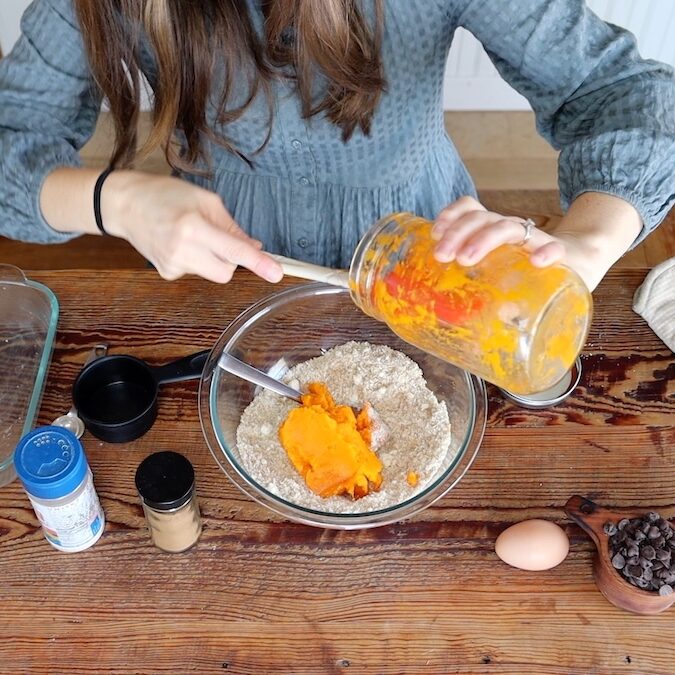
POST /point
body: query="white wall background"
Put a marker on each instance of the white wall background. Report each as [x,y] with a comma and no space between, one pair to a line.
[471,82]
[10,13]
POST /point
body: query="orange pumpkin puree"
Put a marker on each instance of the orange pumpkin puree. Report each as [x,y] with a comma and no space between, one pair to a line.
[330,446]
[443,309]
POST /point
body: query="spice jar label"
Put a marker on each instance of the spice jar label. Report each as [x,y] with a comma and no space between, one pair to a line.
[74,524]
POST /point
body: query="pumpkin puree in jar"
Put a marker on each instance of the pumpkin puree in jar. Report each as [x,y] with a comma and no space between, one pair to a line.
[330,446]
[466,316]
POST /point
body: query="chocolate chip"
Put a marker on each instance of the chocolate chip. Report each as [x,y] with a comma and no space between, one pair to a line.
[662,554]
[618,561]
[648,552]
[634,570]
[666,589]
[641,550]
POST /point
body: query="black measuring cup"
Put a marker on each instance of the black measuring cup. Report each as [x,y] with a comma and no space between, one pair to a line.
[116,395]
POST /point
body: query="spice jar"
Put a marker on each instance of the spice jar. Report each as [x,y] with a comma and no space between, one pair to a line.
[53,468]
[513,324]
[166,485]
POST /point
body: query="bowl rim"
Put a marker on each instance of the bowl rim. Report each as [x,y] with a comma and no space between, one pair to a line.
[232,469]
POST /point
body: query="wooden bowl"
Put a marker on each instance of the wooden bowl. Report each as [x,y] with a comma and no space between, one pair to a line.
[591,518]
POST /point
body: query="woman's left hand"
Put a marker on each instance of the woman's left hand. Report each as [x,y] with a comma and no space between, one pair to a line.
[466,232]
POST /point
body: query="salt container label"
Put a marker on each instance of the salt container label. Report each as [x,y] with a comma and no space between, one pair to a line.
[75,524]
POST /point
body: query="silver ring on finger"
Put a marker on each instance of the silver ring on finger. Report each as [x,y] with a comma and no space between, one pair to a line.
[529,226]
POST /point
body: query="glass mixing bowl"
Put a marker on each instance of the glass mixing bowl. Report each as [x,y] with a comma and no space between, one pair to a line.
[301,323]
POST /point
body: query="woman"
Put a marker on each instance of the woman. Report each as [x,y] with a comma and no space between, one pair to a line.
[298,123]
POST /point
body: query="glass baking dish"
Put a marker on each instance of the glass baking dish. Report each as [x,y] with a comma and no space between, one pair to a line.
[29,312]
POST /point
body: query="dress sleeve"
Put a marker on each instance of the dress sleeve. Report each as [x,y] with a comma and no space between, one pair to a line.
[48,110]
[609,112]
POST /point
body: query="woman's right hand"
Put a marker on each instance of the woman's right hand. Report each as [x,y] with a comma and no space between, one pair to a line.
[180,228]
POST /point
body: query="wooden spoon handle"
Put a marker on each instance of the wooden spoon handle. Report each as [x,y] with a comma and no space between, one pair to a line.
[305,270]
[582,512]
[590,517]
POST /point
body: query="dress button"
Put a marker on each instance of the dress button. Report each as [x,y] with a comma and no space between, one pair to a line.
[303,243]
[304,180]
[296,144]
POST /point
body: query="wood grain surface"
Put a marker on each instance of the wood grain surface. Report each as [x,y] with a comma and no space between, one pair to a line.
[262,595]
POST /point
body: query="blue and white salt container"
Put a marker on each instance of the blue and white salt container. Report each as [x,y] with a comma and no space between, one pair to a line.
[51,464]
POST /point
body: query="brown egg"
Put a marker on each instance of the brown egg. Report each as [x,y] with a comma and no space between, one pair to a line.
[533,545]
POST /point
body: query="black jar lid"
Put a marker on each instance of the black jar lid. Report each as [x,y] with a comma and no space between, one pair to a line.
[165,480]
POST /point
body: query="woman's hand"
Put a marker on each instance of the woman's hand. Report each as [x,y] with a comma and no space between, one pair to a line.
[180,228]
[595,232]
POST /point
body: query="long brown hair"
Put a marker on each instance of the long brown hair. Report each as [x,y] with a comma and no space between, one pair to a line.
[331,38]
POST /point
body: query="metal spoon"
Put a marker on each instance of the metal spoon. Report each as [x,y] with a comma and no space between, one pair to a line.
[233,365]
[70,420]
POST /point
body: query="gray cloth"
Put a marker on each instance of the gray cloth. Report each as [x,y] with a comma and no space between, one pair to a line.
[311,196]
[654,301]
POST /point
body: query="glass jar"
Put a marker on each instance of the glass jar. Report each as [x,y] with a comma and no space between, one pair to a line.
[166,485]
[518,326]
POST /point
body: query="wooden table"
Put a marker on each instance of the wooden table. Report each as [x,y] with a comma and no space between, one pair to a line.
[261,595]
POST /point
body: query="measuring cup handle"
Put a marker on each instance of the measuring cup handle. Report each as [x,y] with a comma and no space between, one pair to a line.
[187,368]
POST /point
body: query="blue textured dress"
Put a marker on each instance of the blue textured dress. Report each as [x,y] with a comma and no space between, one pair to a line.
[311,196]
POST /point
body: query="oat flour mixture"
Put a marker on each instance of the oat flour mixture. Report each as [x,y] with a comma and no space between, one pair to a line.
[355,372]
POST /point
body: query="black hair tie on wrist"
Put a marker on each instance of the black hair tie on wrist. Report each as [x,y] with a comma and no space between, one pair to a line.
[97,198]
